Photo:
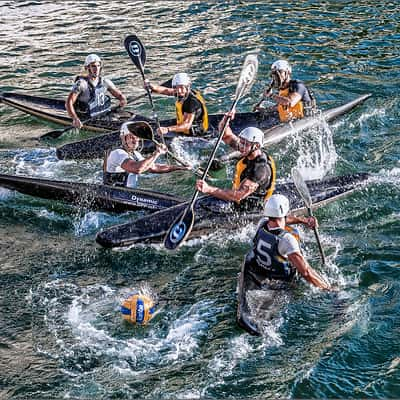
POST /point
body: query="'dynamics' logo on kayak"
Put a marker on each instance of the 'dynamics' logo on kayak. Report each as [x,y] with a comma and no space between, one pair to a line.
[135,49]
[178,232]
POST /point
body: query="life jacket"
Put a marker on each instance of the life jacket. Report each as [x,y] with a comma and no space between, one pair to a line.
[199,127]
[119,179]
[267,261]
[99,102]
[242,172]
[299,110]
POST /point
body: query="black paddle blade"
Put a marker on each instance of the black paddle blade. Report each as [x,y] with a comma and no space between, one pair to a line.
[136,51]
[141,129]
[179,230]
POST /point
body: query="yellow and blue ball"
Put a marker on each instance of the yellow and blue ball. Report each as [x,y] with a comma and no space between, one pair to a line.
[137,309]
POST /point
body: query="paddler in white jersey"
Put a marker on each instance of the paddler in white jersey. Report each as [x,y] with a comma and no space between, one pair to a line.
[276,253]
[123,166]
[88,96]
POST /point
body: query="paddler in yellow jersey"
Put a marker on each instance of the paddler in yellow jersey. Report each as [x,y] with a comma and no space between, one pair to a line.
[294,100]
[255,173]
[191,110]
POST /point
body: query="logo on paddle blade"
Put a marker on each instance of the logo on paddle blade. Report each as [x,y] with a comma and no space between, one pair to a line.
[135,49]
[178,232]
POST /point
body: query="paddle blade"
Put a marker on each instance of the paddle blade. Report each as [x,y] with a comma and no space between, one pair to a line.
[141,129]
[136,51]
[247,76]
[301,187]
[179,230]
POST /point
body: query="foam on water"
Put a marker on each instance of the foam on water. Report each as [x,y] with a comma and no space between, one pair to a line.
[90,222]
[228,357]
[6,194]
[317,156]
[79,320]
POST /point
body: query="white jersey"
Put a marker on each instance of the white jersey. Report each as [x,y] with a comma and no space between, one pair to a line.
[116,158]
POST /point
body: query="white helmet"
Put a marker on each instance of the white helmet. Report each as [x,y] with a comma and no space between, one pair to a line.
[181,79]
[277,206]
[124,130]
[253,135]
[281,65]
[92,58]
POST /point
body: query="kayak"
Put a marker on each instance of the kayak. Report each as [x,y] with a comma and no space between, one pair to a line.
[89,195]
[212,214]
[53,110]
[258,300]
[268,122]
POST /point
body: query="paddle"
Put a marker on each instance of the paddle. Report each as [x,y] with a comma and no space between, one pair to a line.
[137,53]
[302,188]
[264,97]
[144,131]
[183,225]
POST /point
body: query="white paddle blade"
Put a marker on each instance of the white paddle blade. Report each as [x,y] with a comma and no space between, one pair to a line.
[301,187]
[247,76]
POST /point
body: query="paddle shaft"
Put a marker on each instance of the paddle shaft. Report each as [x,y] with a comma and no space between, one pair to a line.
[316,233]
[263,97]
[214,151]
[177,159]
[57,133]
[148,91]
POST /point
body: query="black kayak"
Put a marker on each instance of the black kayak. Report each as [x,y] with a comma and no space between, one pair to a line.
[212,214]
[259,300]
[91,196]
[53,110]
[268,122]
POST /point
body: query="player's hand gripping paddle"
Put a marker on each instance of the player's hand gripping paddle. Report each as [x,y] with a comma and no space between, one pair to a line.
[183,225]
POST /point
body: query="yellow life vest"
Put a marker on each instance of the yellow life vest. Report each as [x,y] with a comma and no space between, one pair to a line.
[179,113]
[287,113]
[241,166]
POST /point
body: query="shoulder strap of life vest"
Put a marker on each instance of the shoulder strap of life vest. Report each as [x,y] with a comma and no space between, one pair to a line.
[271,186]
[204,107]
[241,166]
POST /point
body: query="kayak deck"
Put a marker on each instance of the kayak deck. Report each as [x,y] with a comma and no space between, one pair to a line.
[267,122]
[53,110]
[210,216]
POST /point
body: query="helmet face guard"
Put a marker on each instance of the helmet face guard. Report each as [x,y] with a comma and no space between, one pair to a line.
[280,73]
[279,77]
